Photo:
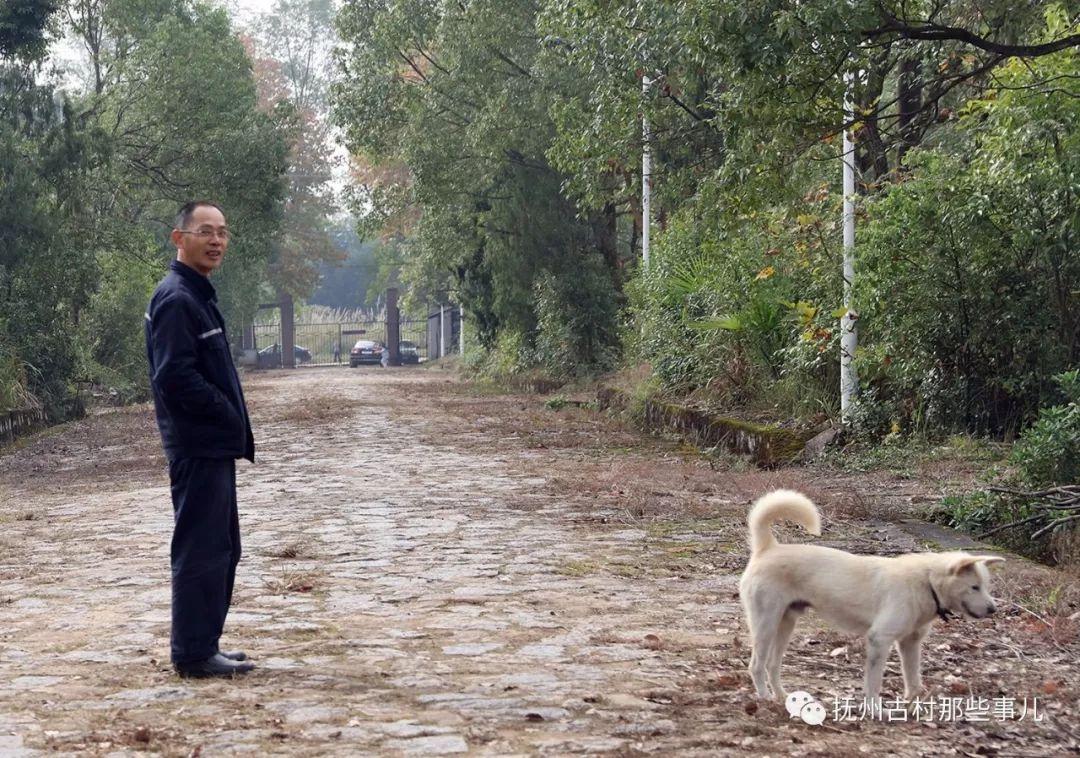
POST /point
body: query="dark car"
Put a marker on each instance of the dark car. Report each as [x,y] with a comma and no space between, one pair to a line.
[408,351]
[365,351]
[270,356]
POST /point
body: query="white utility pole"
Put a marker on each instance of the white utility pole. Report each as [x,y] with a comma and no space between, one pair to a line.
[461,329]
[646,174]
[849,329]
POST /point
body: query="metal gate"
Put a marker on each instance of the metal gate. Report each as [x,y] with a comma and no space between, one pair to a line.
[329,343]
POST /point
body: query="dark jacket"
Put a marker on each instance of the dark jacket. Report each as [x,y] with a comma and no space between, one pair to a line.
[197,396]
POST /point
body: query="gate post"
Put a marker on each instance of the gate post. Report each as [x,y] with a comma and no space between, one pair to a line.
[393,326]
[446,330]
[288,332]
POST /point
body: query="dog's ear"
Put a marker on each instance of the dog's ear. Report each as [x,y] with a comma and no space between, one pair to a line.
[963,563]
[990,560]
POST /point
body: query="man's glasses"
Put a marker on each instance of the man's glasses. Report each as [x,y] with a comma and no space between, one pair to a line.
[206,234]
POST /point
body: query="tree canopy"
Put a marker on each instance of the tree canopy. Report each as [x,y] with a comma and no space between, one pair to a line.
[92,179]
[501,142]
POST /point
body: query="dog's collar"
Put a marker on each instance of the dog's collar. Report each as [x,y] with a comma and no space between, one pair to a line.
[942,613]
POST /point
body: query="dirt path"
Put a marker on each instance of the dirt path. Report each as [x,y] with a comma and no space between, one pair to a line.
[428,570]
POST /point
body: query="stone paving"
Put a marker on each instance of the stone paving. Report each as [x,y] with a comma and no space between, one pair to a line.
[410,586]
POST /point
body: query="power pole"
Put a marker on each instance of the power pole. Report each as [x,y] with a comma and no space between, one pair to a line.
[646,174]
[849,329]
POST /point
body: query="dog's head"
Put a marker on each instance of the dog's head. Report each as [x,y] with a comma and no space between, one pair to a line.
[966,585]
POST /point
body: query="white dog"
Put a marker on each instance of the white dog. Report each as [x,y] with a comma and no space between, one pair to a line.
[886,599]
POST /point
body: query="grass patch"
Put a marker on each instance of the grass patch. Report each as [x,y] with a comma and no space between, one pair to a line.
[907,456]
[556,403]
[578,568]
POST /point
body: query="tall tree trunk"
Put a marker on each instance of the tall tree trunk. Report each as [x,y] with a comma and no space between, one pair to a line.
[605,234]
[872,158]
[910,103]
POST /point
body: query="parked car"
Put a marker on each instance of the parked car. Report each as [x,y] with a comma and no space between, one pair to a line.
[270,356]
[365,351]
[408,351]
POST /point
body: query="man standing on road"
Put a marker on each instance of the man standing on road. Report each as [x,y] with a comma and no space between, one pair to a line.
[204,428]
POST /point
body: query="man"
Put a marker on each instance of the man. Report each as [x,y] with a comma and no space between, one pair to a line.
[204,428]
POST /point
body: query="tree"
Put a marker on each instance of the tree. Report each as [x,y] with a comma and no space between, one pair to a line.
[456,95]
[745,112]
[93,183]
[294,68]
[42,285]
[22,26]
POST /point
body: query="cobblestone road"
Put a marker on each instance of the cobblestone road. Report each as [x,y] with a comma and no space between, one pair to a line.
[426,572]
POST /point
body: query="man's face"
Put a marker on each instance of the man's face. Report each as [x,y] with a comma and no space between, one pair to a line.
[201,244]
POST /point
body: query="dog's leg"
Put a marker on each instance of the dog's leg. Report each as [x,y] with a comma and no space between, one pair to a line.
[878,644]
[910,648]
[776,655]
[764,620]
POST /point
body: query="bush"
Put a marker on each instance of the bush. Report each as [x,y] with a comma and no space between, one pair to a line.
[577,320]
[111,328]
[738,308]
[968,271]
[511,355]
[1048,453]
[13,386]
[1046,456]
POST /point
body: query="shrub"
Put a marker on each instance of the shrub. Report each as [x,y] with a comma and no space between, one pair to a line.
[1046,456]
[1048,453]
[968,272]
[577,320]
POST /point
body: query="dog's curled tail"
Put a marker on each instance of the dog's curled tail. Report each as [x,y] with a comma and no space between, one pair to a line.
[776,506]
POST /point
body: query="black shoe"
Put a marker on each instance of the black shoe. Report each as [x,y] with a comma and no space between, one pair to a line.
[233,655]
[215,665]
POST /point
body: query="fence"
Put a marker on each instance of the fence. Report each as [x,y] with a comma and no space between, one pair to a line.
[315,342]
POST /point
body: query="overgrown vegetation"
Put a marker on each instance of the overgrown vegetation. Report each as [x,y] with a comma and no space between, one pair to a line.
[1033,501]
[509,175]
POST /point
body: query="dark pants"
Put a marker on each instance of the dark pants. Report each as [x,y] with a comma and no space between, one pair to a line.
[205,551]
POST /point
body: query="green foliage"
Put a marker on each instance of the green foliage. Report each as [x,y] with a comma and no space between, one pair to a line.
[739,305]
[510,356]
[116,353]
[577,320]
[744,110]
[1048,452]
[89,184]
[1047,455]
[23,26]
[556,403]
[968,270]
[42,281]
[13,382]
[451,104]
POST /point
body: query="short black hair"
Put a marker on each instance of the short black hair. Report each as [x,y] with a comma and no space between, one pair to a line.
[183,216]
